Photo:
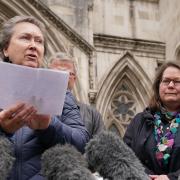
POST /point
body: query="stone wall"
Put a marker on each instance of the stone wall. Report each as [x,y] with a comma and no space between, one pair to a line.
[170,31]
[76,13]
[127,18]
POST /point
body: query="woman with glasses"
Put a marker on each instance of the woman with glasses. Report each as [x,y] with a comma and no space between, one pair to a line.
[154,134]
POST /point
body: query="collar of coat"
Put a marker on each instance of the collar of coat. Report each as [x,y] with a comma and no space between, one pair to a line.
[148,116]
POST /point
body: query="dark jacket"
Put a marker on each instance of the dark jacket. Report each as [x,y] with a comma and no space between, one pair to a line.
[92,119]
[140,137]
[30,144]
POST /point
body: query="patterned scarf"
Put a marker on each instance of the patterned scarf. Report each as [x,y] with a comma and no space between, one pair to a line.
[165,135]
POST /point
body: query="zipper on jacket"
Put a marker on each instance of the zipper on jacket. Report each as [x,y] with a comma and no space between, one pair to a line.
[18,152]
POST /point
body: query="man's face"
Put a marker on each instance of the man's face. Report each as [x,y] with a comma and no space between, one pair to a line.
[65,66]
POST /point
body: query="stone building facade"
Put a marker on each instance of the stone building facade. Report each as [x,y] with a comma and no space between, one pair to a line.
[117,46]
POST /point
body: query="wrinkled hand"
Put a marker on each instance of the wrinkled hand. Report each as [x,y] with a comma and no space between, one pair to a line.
[39,121]
[15,117]
[159,177]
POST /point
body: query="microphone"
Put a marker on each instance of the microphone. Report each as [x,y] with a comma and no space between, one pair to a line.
[107,154]
[64,162]
[6,157]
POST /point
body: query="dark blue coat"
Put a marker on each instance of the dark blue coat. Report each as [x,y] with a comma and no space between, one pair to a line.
[140,137]
[30,144]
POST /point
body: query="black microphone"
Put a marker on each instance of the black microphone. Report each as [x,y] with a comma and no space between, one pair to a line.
[6,157]
[107,154]
[64,162]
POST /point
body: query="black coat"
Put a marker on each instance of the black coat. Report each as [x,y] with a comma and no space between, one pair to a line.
[92,119]
[140,138]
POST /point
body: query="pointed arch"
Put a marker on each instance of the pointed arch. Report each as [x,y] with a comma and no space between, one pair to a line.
[124,91]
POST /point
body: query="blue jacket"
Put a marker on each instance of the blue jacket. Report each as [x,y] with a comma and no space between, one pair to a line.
[30,144]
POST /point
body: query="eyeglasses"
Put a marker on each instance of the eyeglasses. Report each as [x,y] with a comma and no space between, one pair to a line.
[67,70]
[71,74]
[166,82]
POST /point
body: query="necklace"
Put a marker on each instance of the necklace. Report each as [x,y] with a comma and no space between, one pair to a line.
[165,136]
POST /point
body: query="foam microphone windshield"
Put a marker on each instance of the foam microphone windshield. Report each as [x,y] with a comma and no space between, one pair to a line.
[107,154]
[6,157]
[64,162]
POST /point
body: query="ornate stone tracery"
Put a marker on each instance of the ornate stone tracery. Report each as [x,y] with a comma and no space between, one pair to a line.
[123,105]
[122,95]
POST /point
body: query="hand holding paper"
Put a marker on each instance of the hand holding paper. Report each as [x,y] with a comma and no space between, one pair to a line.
[39,121]
[16,117]
[43,88]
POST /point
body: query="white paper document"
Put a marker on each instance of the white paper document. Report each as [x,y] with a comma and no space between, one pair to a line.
[43,88]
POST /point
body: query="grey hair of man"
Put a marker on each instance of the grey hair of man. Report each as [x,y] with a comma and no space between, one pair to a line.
[61,56]
[7,31]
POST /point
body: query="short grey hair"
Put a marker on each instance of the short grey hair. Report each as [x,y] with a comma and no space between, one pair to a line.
[61,56]
[7,31]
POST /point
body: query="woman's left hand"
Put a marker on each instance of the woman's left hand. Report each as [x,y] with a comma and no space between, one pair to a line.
[159,177]
[39,121]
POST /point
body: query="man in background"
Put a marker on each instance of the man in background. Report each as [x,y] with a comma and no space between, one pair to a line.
[90,116]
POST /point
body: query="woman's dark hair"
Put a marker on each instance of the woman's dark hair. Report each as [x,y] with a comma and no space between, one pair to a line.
[155,100]
[7,32]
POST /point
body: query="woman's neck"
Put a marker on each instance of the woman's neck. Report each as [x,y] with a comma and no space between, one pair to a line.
[172,109]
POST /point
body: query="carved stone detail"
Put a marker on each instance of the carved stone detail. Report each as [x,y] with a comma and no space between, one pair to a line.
[153,48]
[92,96]
[122,108]
[74,37]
